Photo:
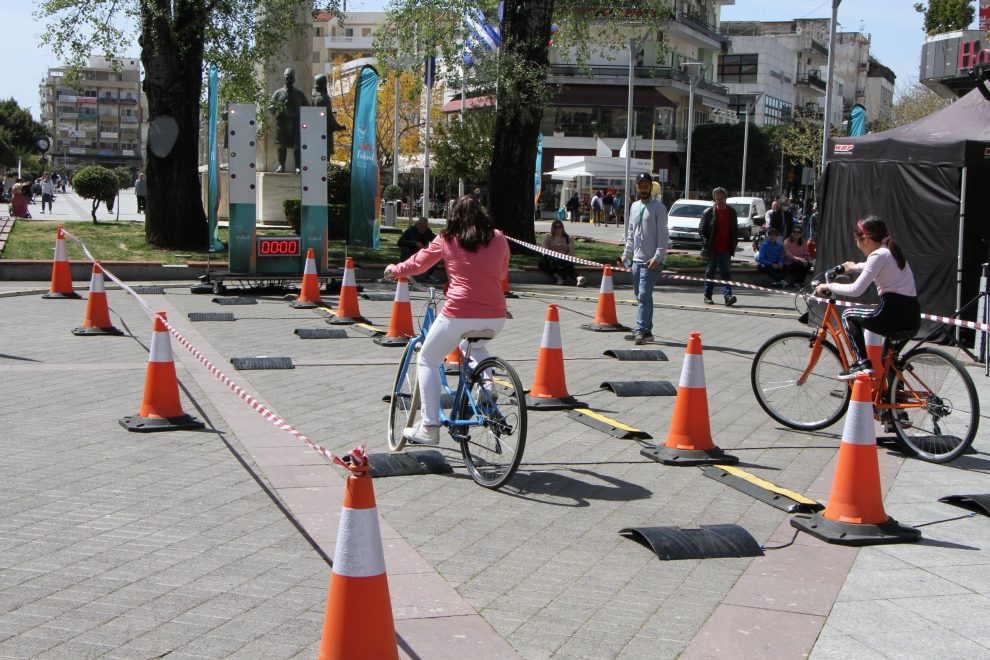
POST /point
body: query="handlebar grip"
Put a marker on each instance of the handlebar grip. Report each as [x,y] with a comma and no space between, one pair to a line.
[838,270]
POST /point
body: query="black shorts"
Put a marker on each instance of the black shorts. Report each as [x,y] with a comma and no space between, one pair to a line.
[894,313]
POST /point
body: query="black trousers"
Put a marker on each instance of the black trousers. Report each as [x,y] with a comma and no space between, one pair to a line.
[894,313]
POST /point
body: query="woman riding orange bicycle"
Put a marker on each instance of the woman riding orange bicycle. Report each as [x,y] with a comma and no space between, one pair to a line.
[898,310]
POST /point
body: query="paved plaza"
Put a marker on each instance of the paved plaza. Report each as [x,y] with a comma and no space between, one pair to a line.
[213,543]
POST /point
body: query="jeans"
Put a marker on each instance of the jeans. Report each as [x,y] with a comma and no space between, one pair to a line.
[643,281]
[722,262]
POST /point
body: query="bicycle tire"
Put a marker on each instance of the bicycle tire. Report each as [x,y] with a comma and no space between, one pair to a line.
[403,405]
[815,404]
[493,449]
[945,427]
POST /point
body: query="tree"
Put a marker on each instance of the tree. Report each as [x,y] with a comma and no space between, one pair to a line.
[912,104]
[97,183]
[176,37]
[945,15]
[18,133]
[518,77]
[464,149]
[716,157]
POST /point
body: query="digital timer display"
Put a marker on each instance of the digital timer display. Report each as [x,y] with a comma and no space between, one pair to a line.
[278,246]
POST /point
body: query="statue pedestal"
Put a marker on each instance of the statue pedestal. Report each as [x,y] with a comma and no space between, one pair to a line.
[273,189]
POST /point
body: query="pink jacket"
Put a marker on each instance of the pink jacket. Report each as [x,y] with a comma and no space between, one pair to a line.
[792,251]
[474,289]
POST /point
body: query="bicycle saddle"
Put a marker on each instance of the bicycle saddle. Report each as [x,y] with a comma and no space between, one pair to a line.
[476,335]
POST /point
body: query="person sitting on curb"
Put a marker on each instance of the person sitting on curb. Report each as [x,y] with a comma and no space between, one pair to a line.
[770,259]
[414,239]
[561,270]
[18,203]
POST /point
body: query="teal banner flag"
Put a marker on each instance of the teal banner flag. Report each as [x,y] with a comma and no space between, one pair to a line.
[857,121]
[539,163]
[213,162]
[363,203]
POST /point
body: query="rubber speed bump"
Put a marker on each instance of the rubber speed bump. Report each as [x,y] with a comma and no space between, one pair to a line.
[211,316]
[261,362]
[707,542]
[640,387]
[238,300]
[613,427]
[636,355]
[149,290]
[321,333]
[975,503]
[400,464]
[761,489]
[381,297]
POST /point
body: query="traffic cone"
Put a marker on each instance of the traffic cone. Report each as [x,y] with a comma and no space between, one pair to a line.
[549,390]
[309,291]
[400,326]
[689,440]
[97,319]
[348,311]
[61,271]
[854,514]
[358,622]
[605,318]
[874,353]
[452,363]
[160,408]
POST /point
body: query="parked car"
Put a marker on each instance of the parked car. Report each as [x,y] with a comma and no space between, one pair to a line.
[683,219]
[751,212]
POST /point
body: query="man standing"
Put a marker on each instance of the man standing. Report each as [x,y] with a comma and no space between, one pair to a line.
[646,243]
[780,218]
[597,208]
[141,192]
[719,235]
[285,104]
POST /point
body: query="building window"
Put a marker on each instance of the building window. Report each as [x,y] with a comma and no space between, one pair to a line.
[737,68]
[319,32]
[316,57]
[366,32]
[776,111]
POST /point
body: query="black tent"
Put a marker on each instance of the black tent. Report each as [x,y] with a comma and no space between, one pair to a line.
[930,182]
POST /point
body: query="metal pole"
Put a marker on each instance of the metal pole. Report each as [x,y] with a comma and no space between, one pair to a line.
[426,154]
[828,82]
[460,180]
[629,115]
[395,129]
[690,126]
[742,187]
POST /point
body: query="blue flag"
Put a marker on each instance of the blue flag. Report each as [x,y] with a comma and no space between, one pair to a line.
[213,163]
[539,163]
[363,205]
[482,36]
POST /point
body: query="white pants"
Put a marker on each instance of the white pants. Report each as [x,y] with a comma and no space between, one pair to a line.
[444,335]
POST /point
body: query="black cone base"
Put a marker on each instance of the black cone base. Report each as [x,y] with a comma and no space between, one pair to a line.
[347,320]
[86,332]
[154,424]
[664,454]
[843,533]
[62,296]
[304,305]
[562,403]
[391,341]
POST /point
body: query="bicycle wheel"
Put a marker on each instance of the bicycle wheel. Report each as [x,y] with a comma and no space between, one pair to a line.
[819,401]
[493,448]
[404,403]
[941,413]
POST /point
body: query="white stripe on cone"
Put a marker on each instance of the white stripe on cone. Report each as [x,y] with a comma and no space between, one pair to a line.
[606,284]
[551,335]
[310,268]
[693,372]
[61,252]
[349,278]
[161,348]
[859,424]
[401,291]
[359,546]
[96,284]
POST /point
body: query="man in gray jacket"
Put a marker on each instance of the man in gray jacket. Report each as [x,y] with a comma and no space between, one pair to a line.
[646,243]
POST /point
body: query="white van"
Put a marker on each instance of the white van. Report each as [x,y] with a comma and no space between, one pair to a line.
[683,219]
[751,212]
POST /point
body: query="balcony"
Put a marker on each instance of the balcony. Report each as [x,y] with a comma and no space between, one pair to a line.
[348,43]
[654,75]
[811,79]
[699,24]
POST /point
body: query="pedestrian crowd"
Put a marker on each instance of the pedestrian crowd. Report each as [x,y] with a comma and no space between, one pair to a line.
[20,192]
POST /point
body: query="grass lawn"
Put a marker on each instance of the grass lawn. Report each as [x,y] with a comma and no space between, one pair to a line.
[124,241]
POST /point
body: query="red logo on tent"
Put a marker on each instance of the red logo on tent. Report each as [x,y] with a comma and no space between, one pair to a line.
[986,152]
[843,148]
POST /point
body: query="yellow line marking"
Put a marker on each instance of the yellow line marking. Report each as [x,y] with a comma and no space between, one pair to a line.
[766,485]
[608,420]
[370,327]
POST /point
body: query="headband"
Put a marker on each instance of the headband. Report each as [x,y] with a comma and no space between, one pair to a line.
[859,226]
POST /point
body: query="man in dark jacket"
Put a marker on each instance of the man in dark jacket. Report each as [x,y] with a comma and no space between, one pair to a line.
[780,218]
[414,239]
[719,235]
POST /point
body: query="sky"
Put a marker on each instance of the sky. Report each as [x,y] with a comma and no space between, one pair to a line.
[894,25]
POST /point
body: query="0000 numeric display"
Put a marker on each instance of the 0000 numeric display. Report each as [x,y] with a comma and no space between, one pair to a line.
[278,247]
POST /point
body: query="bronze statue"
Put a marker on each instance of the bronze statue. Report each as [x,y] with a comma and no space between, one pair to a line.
[321,99]
[285,104]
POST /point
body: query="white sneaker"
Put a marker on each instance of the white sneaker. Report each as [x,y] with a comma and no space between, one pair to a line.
[421,434]
[581,281]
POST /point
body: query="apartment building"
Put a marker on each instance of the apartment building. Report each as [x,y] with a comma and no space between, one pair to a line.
[100,123]
[338,41]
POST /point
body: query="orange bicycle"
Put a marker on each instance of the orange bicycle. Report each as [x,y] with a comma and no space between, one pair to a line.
[925,396]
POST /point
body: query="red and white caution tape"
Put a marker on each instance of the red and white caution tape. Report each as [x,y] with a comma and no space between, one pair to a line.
[357,456]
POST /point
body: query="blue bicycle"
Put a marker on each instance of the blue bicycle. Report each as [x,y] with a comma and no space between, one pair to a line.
[485,411]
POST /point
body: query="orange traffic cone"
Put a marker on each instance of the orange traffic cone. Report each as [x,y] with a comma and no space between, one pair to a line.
[854,514]
[605,317]
[549,390]
[348,311]
[61,271]
[452,363]
[400,326]
[309,292]
[358,622]
[97,320]
[874,353]
[160,408]
[689,440]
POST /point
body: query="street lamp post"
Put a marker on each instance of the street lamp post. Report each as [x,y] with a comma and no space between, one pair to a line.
[828,82]
[749,106]
[692,81]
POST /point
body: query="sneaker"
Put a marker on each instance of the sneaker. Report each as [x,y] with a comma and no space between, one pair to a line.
[639,333]
[709,301]
[730,301]
[581,281]
[421,434]
[856,368]
[641,338]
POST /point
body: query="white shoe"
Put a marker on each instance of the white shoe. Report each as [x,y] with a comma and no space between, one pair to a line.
[581,281]
[421,434]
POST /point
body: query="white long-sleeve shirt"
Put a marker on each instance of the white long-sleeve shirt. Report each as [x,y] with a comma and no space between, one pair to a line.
[882,268]
[648,237]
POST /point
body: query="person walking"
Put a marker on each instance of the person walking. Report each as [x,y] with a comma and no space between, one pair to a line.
[141,192]
[597,208]
[719,237]
[646,245]
[47,192]
[573,207]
